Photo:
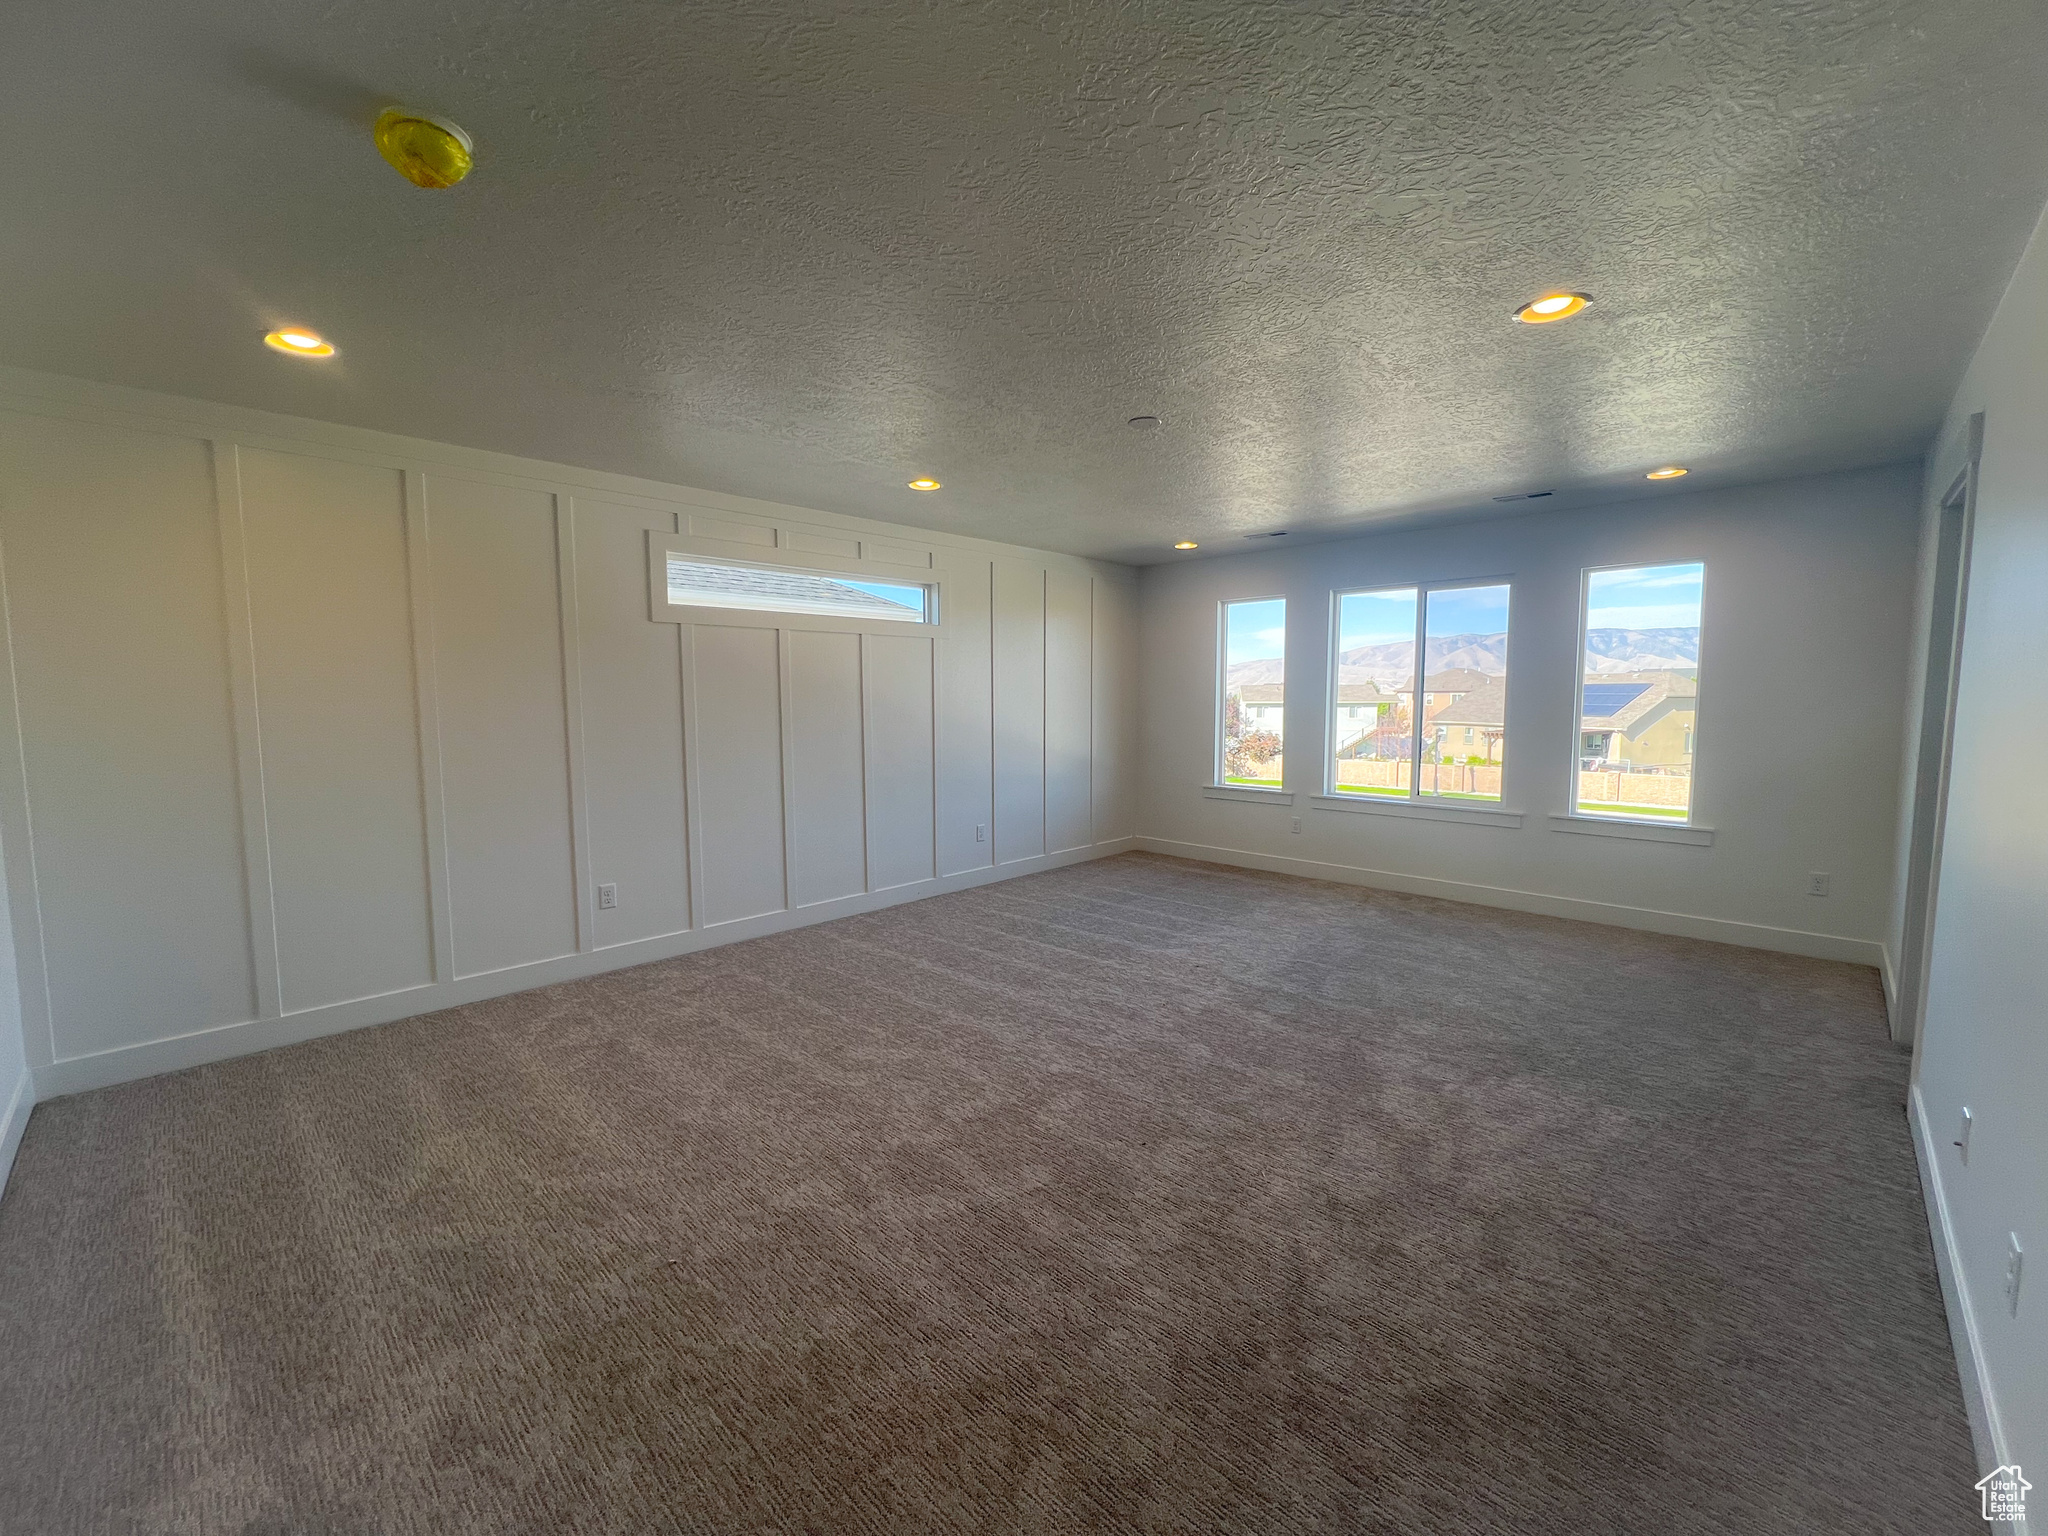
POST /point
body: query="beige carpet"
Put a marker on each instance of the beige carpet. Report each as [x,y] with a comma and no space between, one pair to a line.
[1140,1196]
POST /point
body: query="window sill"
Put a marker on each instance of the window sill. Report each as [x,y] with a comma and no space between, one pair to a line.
[1249,796]
[1419,810]
[1642,831]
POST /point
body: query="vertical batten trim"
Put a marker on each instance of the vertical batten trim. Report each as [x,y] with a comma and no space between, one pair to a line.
[1045,711]
[867,811]
[427,717]
[932,663]
[995,707]
[572,720]
[24,889]
[259,882]
[693,840]
[1094,640]
[785,720]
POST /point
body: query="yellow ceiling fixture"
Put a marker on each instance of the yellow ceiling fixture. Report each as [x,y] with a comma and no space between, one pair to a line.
[1552,306]
[427,151]
[1668,472]
[924,483]
[1187,544]
[297,341]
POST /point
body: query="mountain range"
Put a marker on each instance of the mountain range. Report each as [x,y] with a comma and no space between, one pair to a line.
[1607,650]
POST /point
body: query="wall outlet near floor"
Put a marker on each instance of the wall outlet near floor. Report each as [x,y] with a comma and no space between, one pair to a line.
[607,896]
[981,831]
[1817,884]
[1297,824]
[1963,1140]
[2014,1258]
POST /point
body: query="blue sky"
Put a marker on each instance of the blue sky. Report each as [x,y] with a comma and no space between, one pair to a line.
[1646,597]
[1257,630]
[895,591]
[1469,611]
[1376,618]
[1386,618]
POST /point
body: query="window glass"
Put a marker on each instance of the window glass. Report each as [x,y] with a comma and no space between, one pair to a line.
[1372,705]
[1640,692]
[706,584]
[1464,693]
[1254,713]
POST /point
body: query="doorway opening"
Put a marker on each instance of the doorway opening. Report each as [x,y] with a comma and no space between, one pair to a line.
[1935,749]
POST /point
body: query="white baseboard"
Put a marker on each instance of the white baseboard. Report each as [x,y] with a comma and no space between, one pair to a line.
[75,1074]
[1987,1429]
[14,1121]
[1790,941]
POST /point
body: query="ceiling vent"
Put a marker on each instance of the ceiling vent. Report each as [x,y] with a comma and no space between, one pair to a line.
[1526,496]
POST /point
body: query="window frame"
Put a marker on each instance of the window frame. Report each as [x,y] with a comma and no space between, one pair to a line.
[787,561]
[1220,696]
[1414,797]
[1572,812]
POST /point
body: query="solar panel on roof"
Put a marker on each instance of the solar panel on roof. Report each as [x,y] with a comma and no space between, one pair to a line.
[1603,699]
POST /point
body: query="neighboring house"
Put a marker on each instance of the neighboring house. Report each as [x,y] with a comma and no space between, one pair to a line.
[1358,710]
[1262,706]
[1472,725]
[1638,720]
[1442,689]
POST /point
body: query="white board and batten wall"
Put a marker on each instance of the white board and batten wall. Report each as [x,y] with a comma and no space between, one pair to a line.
[314,728]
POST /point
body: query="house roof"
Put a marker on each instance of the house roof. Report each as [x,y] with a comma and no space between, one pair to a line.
[1617,701]
[1484,705]
[1262,693]
[1363,693]
[1454,680]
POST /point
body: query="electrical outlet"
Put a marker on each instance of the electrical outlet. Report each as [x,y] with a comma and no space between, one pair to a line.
[607,896]
[2014,1258]
[1817,884]
[1963,1141]
[1297,824]
[981,831]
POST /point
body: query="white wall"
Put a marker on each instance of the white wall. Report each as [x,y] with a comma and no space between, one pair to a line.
[1803,675]
[1984,1039]
[315,728]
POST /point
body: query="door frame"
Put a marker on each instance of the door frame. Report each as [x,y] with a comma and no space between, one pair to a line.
[1955,528]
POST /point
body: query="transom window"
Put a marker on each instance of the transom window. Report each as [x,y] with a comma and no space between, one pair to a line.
[712,584]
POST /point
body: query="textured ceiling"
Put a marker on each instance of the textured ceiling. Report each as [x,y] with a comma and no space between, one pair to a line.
[807,252]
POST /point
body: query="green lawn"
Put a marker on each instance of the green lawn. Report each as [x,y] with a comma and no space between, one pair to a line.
[1610,808]
[1254,783]
[1402,794]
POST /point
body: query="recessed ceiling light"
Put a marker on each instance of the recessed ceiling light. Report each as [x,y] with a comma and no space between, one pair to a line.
[924,483]
[1668,472]
[1146,423]
[1187,544]
[299,342]
[1552,306]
